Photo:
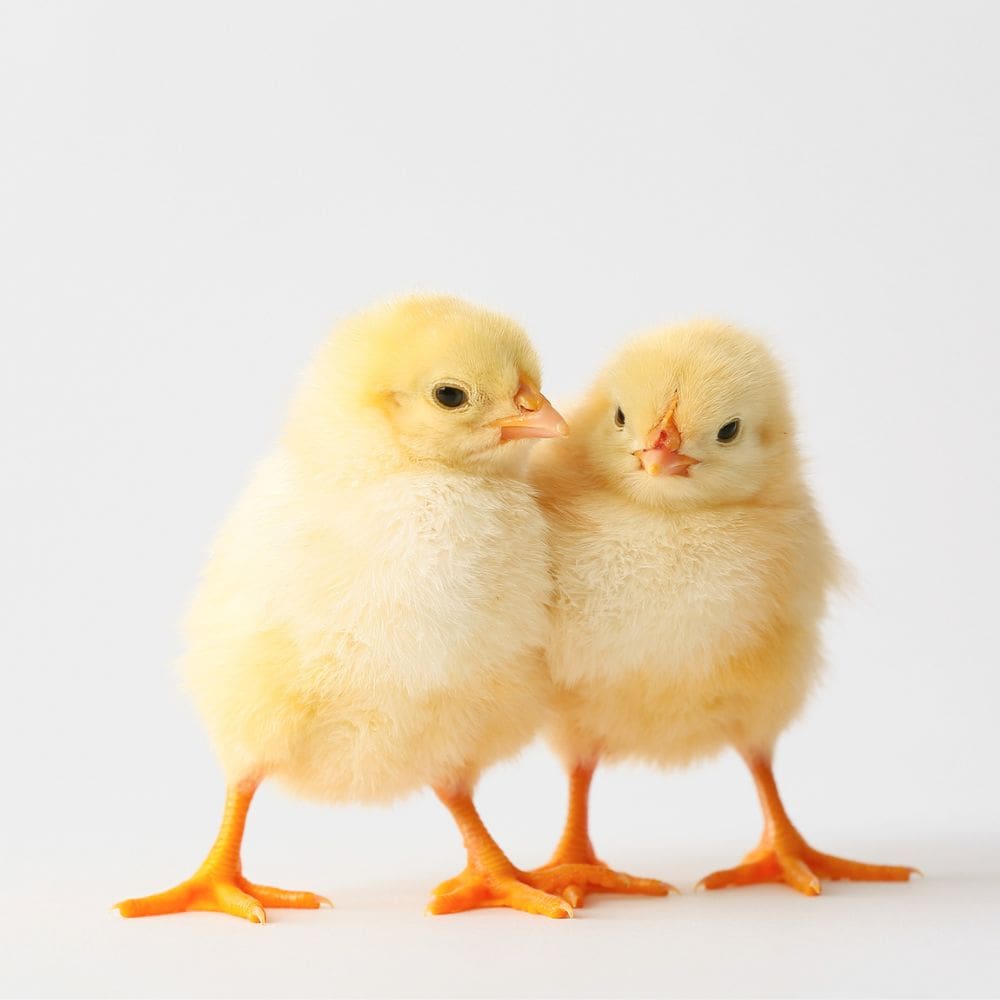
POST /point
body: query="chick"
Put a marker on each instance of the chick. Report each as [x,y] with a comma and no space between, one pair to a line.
[373,614]
[692,572]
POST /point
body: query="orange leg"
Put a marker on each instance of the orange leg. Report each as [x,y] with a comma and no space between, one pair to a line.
[219,883]
[489,878]
[574,868]
[783,855]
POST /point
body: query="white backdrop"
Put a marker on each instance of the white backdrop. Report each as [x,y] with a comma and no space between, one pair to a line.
[192,194]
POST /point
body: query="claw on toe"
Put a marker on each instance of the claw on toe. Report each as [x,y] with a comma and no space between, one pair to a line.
[268,895]
[802,869]
[472,890]
[573,881]
[218,884]
[783,855]
[222,894]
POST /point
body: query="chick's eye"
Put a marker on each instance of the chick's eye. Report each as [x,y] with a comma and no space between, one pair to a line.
[619,418]
[450,396]
[729,431]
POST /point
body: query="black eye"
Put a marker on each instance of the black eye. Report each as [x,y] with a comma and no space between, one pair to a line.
[619,418]
[728,431]
[450,396]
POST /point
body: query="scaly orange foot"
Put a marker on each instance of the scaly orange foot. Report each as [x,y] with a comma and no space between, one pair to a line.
[223,893]
[573,880]
[784,856]
[219,883]
[476,889]
[801,867]
[575,869]
[489,878]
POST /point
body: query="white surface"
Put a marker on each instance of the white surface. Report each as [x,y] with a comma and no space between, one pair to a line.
[191,196]
[936,937]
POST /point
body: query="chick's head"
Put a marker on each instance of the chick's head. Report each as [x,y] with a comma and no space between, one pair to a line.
[694,414]
[430,379]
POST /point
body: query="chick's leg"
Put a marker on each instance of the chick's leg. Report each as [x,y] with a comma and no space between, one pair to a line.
[575,869]
[219,883]
[489,878]
[783,854]
[574,846]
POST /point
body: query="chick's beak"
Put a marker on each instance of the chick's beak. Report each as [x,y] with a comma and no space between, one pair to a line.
[536,417]
[662,455]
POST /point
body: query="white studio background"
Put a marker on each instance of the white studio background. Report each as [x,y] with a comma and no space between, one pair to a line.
[193,193]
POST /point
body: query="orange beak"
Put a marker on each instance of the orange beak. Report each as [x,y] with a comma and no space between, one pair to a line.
[536,417]
[662,453]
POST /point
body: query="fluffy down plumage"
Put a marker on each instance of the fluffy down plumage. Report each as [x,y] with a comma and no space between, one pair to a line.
[363,641]
[692,569]
[687,607]
[372,617]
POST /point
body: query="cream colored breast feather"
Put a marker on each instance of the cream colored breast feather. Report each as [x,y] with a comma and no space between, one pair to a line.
[415,580]
[642,591]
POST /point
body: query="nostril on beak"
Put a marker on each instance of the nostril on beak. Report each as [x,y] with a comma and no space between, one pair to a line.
[528,398]
[671,437]
[666,434]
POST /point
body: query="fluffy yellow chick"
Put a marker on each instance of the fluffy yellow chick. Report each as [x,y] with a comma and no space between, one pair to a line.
[373,615]
[692,572]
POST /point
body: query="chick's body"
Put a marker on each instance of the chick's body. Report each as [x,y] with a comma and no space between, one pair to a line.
[359,642]
[678,633]
[373,614]
[692,572]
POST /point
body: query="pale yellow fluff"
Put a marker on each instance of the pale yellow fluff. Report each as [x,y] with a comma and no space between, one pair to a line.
[687,608]
[372,616]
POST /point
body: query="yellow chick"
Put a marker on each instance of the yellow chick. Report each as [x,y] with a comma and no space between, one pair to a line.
[373,615]
[692,572]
